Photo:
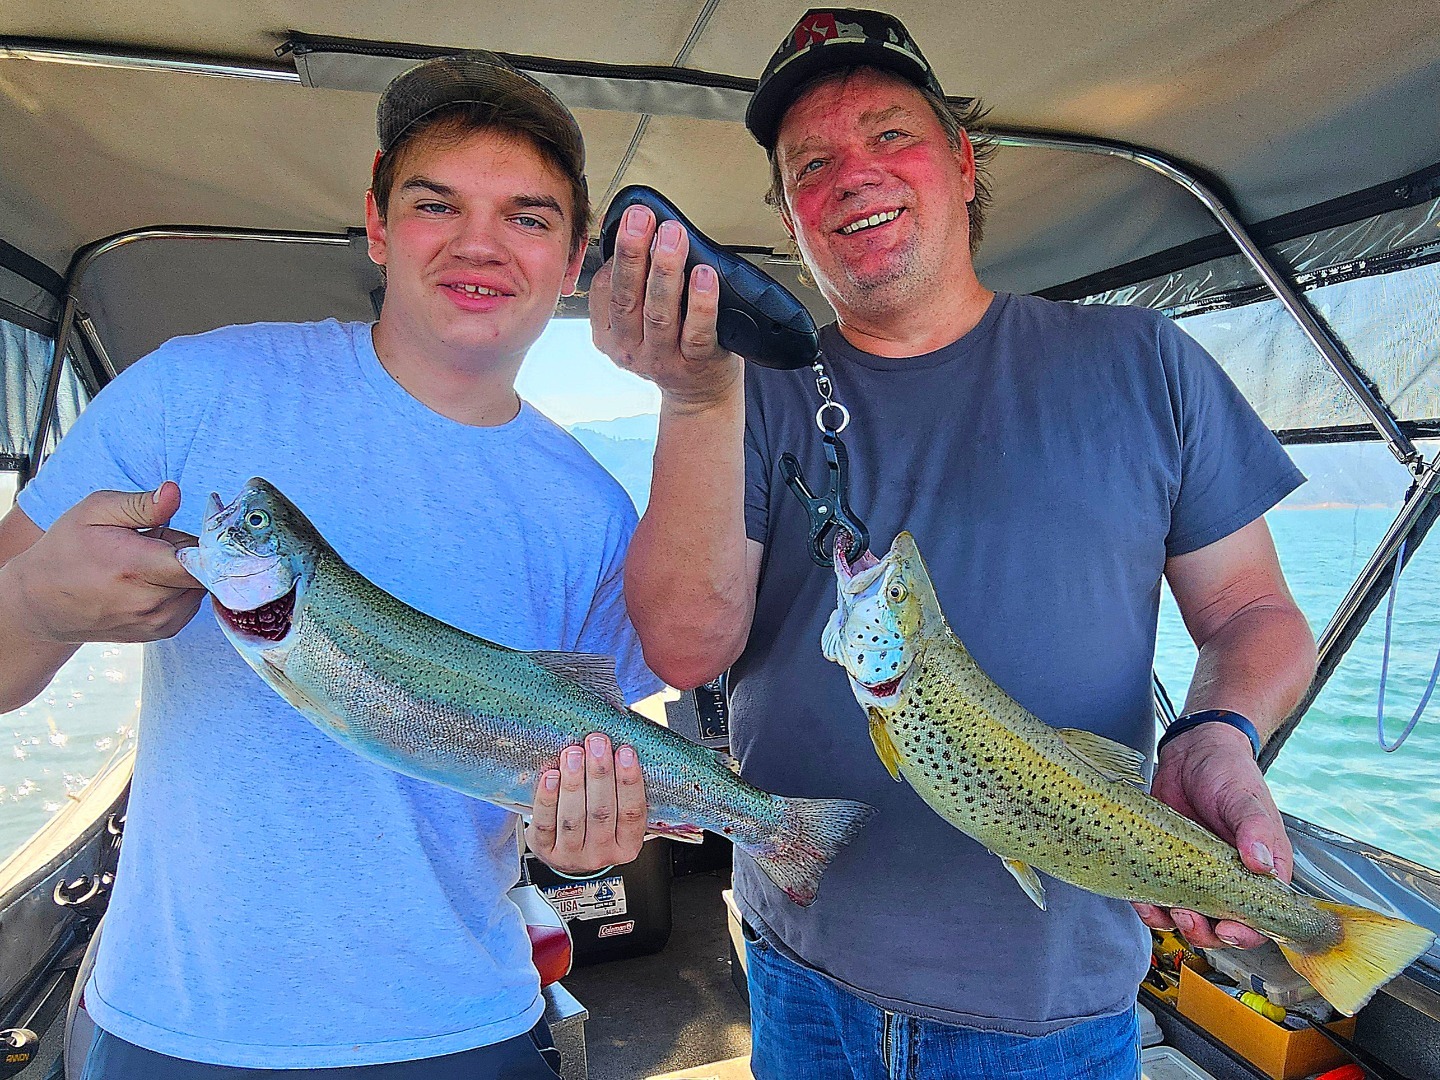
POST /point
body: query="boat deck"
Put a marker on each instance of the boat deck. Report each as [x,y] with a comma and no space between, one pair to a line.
[676,1009]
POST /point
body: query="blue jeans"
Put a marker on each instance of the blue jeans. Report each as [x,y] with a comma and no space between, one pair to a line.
[805,1025]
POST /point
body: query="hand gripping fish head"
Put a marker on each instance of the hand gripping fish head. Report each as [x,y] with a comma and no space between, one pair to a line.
[1066,802]
[429,700]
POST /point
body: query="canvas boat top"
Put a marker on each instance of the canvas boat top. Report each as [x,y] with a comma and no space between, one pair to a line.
[167,169]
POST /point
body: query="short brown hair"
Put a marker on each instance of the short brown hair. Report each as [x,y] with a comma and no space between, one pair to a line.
[454,124]
[967,115]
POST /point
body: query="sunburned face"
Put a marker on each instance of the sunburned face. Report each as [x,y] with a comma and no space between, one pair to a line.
[476,247]
[874,193]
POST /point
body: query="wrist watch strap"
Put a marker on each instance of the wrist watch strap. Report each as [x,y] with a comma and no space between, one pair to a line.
[1210,716]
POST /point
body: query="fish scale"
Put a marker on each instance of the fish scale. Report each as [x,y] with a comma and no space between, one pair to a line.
[1066,802]
[1006,783]
[477,737]
[433,702]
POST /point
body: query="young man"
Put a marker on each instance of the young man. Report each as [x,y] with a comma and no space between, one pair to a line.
[1054,461]
[283,903]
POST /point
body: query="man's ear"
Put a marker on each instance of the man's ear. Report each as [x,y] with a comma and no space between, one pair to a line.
[785,220]
[374,230]
[966,154]
[572,272]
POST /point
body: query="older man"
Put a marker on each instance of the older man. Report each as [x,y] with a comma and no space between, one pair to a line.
[1055,462]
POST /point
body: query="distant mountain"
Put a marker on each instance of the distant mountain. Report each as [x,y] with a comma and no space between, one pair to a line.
[1347,474]
[1340,474]
[645,426]
[624,447]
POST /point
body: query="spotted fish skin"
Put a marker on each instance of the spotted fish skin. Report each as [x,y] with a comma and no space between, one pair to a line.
[1066,802]
[431,701]
[1000,775]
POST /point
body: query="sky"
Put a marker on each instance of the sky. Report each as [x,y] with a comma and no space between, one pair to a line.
[570,381]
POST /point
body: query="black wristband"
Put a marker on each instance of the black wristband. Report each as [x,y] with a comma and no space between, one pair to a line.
[1210,716]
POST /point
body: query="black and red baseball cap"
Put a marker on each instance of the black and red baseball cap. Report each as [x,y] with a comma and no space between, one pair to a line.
[825,39]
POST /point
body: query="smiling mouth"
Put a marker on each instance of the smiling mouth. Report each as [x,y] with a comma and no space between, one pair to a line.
[268,622]
[870,222]
[474,290]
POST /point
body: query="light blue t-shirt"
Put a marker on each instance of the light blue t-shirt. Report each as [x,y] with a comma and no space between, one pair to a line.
[282,902]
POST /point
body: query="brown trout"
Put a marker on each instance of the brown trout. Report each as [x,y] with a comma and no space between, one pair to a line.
[426,699]
[1067,802]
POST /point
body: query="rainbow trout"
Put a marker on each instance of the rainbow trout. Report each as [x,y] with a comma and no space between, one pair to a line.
[1063,801]
[433,702]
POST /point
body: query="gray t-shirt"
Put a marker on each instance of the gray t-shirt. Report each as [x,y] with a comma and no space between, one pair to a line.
[1048,463]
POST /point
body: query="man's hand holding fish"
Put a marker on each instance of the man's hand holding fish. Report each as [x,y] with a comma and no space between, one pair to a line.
[105,571]
[1211,777]
[591,811]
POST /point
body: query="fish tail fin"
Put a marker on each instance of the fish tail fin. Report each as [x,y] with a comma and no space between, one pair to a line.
[1372,949]
[812,832]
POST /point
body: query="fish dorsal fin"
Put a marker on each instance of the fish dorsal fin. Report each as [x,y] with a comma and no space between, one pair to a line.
[1025,874]
[889,756]
[1113,760]
[591,670]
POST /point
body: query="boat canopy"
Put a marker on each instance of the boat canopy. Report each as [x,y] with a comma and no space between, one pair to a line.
[1307,120]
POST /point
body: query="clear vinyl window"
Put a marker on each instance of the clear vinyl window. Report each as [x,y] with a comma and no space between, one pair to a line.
[53,746]
[1332,770]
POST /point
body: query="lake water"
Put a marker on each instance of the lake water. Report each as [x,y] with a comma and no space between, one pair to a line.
[1331,772]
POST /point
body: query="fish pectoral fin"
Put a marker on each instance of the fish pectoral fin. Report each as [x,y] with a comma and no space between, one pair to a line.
[830,639]
[889,756]
[591,670]
[1029,880]
[1113,760]
[273,663]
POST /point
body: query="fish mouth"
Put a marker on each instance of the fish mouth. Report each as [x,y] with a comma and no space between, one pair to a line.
[881,695]
[888,688]
[269,622]
[854,577]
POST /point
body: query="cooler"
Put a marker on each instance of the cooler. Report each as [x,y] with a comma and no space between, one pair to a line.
[616,913]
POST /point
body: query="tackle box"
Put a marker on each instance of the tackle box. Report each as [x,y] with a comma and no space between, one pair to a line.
[1279,1052]
[615,914]
[1264,970]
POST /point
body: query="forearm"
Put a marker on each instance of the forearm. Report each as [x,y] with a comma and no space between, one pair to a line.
[687,585]
[30,662]
[1258,664]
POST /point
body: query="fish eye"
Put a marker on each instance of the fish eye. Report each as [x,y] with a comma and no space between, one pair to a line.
[257,519]
[896,592]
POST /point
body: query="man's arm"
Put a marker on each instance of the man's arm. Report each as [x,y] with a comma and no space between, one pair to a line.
[1257,657]
[691,573]
[93,576]
[29,664]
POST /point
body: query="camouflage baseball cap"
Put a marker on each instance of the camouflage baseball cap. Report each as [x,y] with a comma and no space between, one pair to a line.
[825,39]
